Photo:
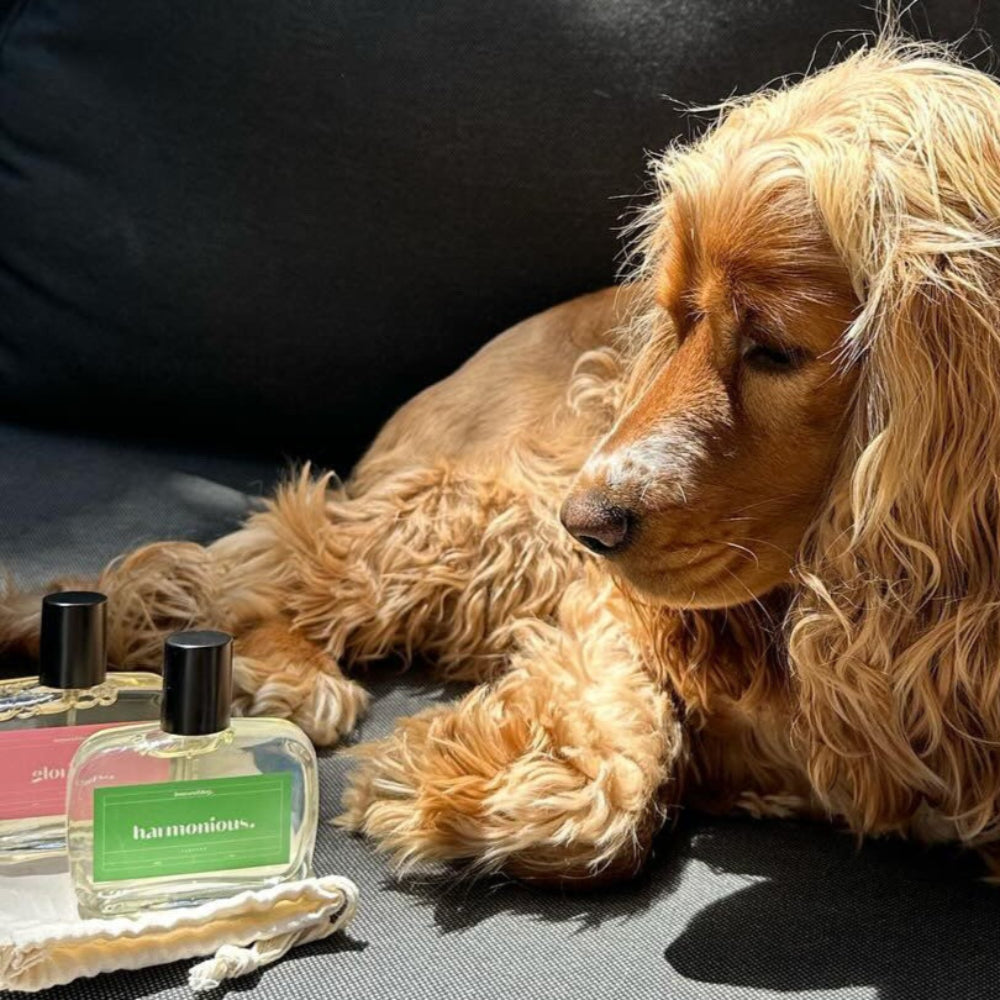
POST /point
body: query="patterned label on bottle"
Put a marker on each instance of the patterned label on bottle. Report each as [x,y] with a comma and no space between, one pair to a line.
[181,827]
[35,763]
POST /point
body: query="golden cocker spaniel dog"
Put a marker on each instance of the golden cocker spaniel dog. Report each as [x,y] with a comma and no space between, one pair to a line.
[775,456]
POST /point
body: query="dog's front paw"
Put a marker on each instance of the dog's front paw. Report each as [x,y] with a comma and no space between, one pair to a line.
[277,672]
[498,784]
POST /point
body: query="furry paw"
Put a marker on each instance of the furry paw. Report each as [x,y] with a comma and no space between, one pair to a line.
[278,672]
[509,778]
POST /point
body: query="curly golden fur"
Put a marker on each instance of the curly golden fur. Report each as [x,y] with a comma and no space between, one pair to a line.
[780,443]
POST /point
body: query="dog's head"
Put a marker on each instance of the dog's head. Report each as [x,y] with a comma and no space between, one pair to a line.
[814,385]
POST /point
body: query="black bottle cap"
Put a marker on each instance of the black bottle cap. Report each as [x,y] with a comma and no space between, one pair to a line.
[74,652]
[197,683]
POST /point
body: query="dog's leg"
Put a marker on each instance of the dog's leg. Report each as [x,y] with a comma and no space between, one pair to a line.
[446,534]
[278,672]
[19,621]
[171,586]
[562,770]
[154,590]
[432,559]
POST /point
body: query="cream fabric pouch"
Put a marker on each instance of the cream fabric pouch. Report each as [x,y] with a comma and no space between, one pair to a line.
[44,942]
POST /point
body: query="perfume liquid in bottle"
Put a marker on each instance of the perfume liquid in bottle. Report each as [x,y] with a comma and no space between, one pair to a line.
[195,808]
[44,719]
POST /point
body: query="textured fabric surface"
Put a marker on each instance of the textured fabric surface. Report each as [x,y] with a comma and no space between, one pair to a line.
[729,909]
[70,503]
[272,221]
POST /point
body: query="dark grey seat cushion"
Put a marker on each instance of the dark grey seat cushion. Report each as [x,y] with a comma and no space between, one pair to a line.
[69,502]
[728,910]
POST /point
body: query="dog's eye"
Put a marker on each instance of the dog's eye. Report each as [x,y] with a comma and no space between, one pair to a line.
[765,358]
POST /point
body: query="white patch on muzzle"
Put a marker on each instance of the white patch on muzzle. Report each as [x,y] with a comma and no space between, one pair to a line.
[657,469]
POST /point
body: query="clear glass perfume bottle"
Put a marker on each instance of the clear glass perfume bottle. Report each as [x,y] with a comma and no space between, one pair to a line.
[195,808]
[44,719]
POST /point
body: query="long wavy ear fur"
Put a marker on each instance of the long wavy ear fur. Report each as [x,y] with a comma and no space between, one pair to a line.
[895,635]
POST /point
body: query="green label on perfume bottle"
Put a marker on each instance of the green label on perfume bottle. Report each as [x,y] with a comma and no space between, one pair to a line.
[180,827]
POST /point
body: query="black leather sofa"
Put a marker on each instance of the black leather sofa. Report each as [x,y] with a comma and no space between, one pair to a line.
[235,234]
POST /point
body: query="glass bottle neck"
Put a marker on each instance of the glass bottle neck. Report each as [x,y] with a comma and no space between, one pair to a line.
[193,744]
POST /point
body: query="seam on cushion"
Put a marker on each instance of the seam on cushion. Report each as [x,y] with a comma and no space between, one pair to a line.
[13,16]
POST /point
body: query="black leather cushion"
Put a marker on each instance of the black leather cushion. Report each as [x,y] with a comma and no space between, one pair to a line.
[268,223]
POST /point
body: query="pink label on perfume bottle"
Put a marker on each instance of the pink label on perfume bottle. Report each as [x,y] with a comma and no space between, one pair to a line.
[35,765]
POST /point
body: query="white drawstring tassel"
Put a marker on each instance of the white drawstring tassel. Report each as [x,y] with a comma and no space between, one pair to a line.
[231,962]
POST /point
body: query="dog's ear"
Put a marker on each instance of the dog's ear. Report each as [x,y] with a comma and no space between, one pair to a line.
[895,635]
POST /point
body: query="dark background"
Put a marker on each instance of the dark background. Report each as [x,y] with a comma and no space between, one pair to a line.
[258,226]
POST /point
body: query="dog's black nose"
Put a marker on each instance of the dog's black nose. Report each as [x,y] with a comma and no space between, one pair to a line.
[591,519]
